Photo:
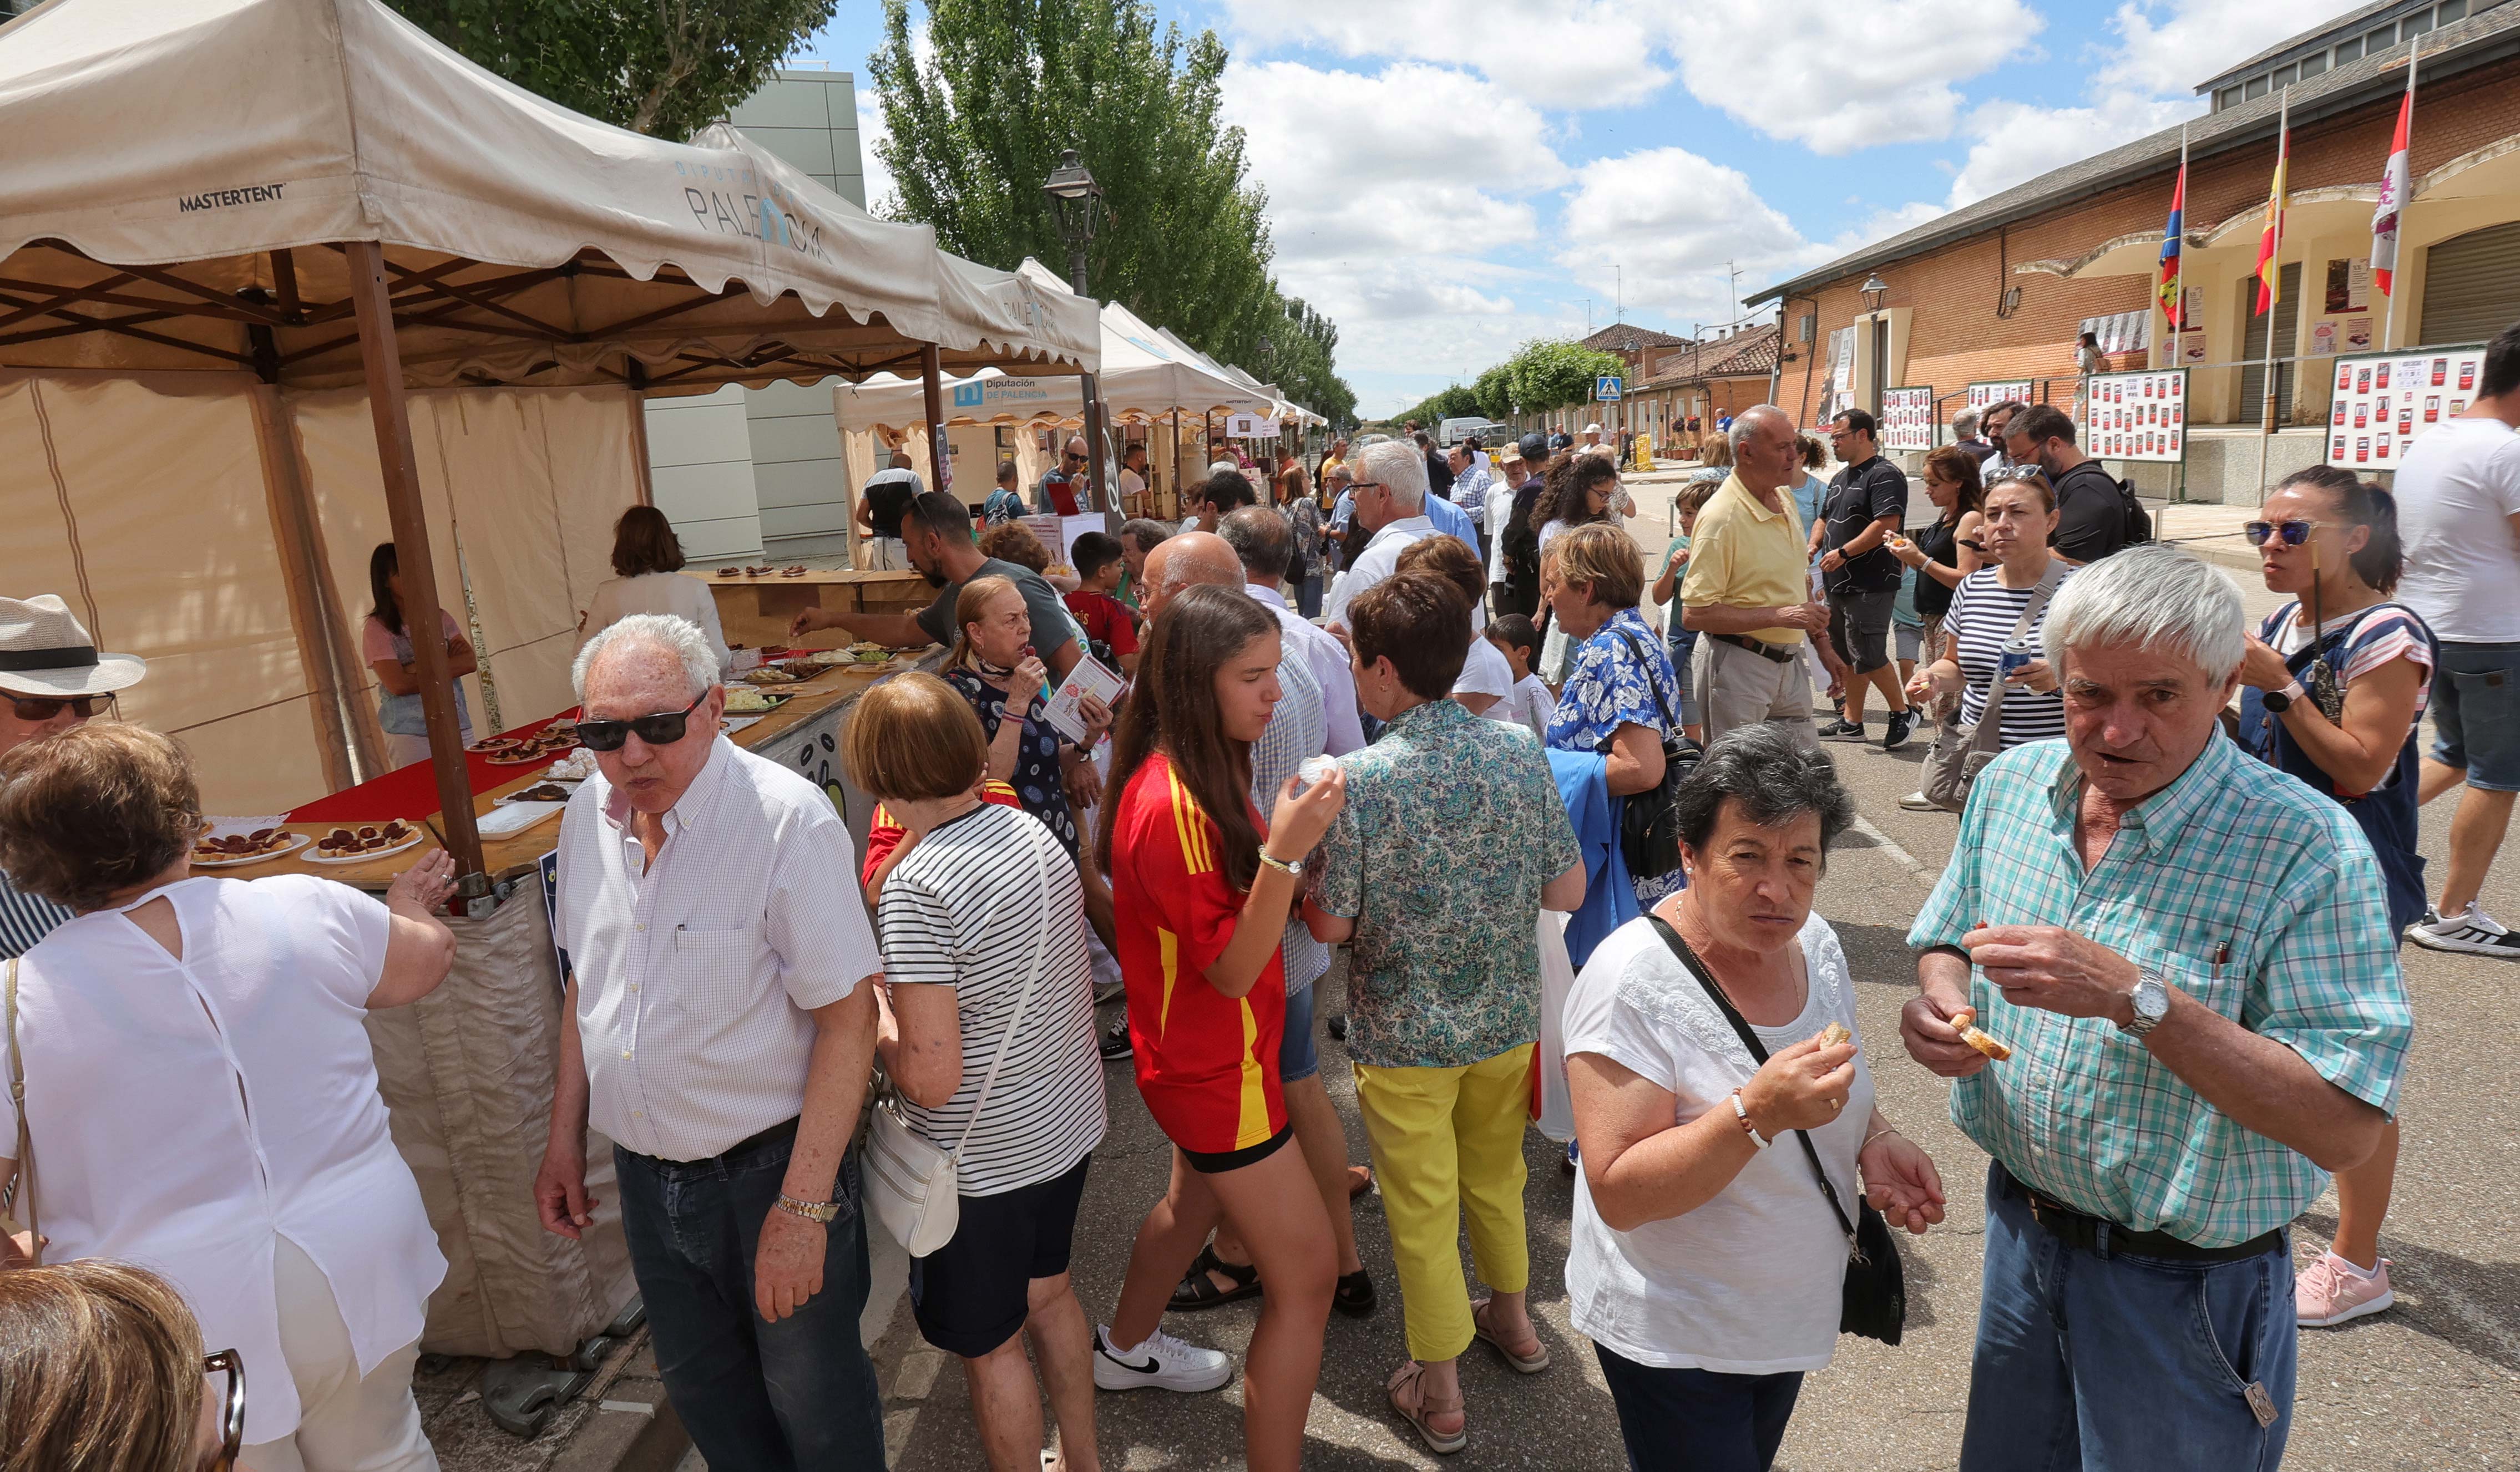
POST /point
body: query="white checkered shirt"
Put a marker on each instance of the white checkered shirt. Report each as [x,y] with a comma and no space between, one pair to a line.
[694,978]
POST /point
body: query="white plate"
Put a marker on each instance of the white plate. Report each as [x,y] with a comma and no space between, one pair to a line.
[417,834]
[297,842]
[516,818]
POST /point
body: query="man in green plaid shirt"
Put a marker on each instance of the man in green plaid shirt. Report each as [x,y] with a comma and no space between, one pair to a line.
[2189,955]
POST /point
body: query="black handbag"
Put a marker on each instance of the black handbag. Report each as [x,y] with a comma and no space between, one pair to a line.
[1648,831]
[1875,1300]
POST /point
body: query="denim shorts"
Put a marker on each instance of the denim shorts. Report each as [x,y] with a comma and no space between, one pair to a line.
[1296,1058]
[2476,713]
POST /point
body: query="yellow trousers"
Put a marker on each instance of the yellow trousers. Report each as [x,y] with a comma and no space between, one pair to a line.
[1445,1140]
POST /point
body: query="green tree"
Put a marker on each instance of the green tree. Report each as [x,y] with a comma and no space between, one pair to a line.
[1451,403]
[973,131]
[1495,390]
[1549,373]
[666,68]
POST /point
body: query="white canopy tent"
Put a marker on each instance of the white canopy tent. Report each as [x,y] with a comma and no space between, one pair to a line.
[1142,379]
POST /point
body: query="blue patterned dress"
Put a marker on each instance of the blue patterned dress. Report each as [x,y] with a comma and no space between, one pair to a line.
[1612,681]
[1036,777]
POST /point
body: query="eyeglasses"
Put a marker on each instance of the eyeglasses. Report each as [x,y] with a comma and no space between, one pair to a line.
[31,708]
[2293,533]
[662,728]
[230,1406]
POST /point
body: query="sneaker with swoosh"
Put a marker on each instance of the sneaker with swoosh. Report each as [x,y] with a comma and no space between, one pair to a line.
[1163,1363]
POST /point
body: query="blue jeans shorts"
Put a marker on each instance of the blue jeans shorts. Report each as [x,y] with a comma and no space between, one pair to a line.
[2476,713]
[1296,1058]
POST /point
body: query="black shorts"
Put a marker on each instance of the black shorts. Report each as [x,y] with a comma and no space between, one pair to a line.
[974,1293]
[1859,624]
[1218,1162]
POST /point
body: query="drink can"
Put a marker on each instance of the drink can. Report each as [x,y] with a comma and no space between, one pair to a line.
[2017,652]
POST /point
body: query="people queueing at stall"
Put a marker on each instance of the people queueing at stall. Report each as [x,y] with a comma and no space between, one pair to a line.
[740,971]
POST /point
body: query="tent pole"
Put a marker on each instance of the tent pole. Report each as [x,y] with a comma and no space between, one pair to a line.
[382,360]
[1176,457]
[1095,447]
[932,394]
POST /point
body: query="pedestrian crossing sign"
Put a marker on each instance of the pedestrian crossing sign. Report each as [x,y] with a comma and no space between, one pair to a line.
[1606,388]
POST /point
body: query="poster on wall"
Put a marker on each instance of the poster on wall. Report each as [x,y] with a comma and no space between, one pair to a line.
[2192,349]
[1837,391]
[1907,419]
[2349,287]
[2137,416]
[2383,401]
[2121,331]
[1982,395]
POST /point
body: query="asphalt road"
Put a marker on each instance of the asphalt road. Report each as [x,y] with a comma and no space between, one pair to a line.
[2433,1384]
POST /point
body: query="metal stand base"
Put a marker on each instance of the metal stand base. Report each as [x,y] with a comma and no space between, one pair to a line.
[522,1393]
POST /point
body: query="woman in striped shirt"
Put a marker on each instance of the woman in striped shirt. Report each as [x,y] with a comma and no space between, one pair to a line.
[2019,512]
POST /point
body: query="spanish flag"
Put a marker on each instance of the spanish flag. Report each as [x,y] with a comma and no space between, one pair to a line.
[2270,236]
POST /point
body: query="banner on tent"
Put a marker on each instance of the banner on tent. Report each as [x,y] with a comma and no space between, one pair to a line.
[994,395]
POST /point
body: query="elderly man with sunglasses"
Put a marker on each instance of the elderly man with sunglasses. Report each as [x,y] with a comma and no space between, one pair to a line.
[720,1029]
[54,679]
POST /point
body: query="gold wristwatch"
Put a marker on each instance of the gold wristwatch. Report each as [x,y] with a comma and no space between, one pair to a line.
[819,1213]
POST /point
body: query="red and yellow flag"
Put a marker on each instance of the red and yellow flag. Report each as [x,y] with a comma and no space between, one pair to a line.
[2270,236]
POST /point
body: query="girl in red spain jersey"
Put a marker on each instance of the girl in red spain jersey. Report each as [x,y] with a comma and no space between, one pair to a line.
[1202,891]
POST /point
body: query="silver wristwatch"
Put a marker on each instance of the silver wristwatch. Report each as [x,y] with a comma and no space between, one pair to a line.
[2151,1003]
[1292,868]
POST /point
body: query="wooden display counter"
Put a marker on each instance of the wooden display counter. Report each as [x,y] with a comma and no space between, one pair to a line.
[756,610]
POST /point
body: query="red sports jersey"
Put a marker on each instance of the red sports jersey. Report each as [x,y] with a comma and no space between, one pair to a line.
[883,834]
[1106,618]
[1207,1063]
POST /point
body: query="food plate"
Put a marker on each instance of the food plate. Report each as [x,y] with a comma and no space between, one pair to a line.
[283,843]
[748,700]
[489,744]
[549,792]
[390,838]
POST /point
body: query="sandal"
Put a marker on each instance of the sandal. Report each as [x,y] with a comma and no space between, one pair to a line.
[1354,1295]
[1527,1365]
[1409,1380]
[1199,1291]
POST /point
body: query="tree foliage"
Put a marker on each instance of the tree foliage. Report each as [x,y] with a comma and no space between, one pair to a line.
[1495,390]
[667,68]
[1549,373]
[975,128]
[1452,403]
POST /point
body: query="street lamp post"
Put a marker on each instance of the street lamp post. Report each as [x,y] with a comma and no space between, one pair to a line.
[1076,200]
[1635,374]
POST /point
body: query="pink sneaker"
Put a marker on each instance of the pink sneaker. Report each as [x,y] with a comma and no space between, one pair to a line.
[2329,1292]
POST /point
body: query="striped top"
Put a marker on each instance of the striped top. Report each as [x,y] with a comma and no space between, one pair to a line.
[964,910]
[1982,614]
[24,919]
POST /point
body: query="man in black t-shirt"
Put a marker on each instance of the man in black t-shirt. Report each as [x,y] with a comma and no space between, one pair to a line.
[2091,518]
[937,532]
[1439,475]
[1522,540]
[880,502]
[1867,502]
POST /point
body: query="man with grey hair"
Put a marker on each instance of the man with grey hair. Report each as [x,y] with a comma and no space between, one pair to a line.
[1964,435]
[2188,955]
[1391,502]
[719,1029]
[1748,585]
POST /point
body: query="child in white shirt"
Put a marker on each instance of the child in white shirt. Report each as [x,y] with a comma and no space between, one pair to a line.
[1530,704]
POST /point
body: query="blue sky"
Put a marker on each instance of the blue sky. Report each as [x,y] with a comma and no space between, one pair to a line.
[1450,177]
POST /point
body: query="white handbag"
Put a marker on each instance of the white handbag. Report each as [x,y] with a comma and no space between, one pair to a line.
[911,1184]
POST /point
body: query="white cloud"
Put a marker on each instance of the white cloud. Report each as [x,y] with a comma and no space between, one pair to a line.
[2017,141]
[2172,45]
[1570,54]
[1670,221]
[870,135]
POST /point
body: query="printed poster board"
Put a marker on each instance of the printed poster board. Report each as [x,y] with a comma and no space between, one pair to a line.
[2383,401]
[1907,419]
[2137,416]
[1982,395]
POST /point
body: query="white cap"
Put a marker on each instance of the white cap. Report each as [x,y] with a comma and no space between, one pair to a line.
[1591,429]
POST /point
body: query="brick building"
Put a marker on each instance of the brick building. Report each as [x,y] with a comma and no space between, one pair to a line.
[1704,381]
[1998,289]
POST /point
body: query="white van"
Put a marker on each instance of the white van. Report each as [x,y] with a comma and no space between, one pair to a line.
[1453,431]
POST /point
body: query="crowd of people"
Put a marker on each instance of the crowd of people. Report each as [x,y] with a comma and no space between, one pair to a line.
[1479,760]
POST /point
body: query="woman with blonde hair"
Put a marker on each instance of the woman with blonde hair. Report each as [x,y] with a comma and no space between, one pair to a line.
[993,666]
[102,1371]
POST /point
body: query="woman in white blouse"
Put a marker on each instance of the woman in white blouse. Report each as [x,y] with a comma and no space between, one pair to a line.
[648,559]
[201,1098]
[1704,1266]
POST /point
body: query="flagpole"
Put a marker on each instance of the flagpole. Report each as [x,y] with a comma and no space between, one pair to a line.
[2271,283]
[2179,275]
[2389,324]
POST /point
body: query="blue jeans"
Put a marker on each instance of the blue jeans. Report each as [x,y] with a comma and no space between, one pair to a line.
[1682,644]
[2124,1363]
[2476,713]
[1697,1420]
[756,1396]
[1308,594]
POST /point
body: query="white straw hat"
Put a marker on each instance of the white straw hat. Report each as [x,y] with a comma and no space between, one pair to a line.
[46,653]
[1593,428]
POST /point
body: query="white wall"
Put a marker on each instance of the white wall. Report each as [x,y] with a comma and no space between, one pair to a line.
[810,119]
[699,466]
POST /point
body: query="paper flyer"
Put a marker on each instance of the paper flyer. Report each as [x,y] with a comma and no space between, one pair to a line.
[1088,678]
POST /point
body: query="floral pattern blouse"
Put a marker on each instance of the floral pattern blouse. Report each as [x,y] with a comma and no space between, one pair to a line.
[1452,826]
[1304,521]
[1612,681]
[1036,777]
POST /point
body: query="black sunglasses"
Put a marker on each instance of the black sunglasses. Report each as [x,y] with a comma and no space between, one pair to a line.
[2292,533]
[662,728]
[230,1406]
[32,708]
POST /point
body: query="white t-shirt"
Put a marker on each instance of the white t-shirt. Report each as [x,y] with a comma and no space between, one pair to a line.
[1131,483]
[676,593]
[1487,672]
[2457,489]
[1500,511]
[1748,1283]
[964,910]
[1530,704]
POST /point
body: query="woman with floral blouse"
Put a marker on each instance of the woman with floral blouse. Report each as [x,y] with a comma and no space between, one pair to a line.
[1621,695]
[1451,843]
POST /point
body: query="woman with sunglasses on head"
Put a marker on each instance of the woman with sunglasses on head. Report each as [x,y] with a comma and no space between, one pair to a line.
[2017,515]
[386,644]
[2333,687]
[102,1371]
[993,667]
[53,680]
[1206,888]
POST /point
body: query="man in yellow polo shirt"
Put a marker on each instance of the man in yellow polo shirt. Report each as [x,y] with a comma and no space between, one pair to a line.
[1749,587]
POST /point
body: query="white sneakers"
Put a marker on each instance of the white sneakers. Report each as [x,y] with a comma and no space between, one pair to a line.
[1919,802]
[2332,1291]
[1163,1363]
[2471,932]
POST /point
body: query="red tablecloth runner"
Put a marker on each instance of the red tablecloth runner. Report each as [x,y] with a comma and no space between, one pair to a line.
[411,792]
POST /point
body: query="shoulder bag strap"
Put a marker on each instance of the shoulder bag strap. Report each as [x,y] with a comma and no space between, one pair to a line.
[24,1191]
[1023,1001]
[1671,727]
[1990,721]
[1758,1052]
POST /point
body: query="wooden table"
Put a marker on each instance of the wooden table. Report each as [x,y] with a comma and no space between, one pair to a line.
[756,610]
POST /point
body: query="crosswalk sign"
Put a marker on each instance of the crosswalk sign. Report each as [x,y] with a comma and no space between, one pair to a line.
[1607,389]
